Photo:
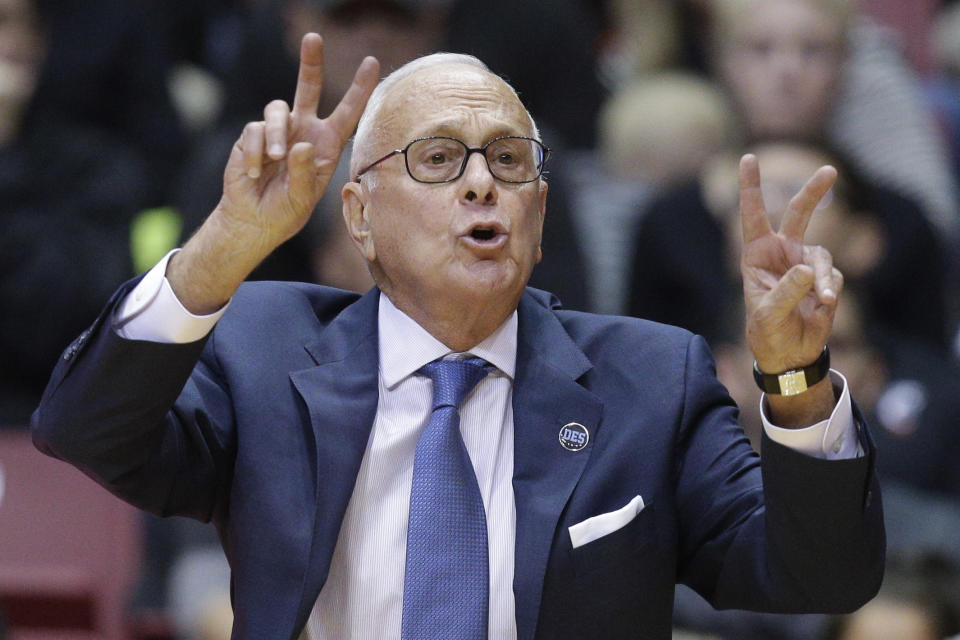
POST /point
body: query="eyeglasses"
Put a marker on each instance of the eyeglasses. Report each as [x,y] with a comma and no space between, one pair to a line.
[438,159]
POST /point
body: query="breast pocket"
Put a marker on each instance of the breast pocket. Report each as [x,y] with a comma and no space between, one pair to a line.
[619,547]
[626,580]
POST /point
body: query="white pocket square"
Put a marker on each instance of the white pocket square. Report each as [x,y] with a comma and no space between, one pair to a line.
[605,523]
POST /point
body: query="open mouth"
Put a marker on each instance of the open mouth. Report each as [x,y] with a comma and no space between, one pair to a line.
[487,236]
[483,233]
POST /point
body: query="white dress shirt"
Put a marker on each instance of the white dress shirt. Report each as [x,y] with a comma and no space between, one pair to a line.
[363,594]
[362,597]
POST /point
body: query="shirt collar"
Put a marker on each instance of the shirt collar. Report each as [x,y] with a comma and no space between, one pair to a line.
[405,346]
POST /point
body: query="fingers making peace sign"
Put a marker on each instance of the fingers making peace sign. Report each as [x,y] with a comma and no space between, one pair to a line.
[281,165]
[791,289]
[276,173]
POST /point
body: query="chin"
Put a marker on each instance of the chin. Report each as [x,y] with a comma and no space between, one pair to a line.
[494,279]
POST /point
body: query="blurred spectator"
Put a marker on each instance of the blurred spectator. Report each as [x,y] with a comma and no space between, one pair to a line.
[781,61]
[643,37]
[68,193]
[918,601]
[942,91]
[919,522]
[882,124]
[914,417]
[812,68]
[911,23]
[205,34]
[684,269]
[661,129]
[200,595]
[646,36]
[107,68]
[654,132]
[546,50]
[943,85]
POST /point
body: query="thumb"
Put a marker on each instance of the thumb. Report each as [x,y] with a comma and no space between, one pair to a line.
[791,289]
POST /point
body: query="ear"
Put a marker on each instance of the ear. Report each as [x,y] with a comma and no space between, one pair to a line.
[355,213]
[542,211]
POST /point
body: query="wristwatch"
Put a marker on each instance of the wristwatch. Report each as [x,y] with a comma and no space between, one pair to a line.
[794,381]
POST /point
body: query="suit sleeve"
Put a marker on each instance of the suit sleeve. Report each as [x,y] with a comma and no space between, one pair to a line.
[111,409]
[808,537]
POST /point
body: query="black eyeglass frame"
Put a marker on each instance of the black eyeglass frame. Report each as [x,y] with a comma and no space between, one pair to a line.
[466,158]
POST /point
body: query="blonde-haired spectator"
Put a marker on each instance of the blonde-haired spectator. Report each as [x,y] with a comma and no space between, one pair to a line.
[653,132]
[662,128]
[818,69]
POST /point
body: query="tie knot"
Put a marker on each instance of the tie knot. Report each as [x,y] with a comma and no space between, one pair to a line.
[453,380]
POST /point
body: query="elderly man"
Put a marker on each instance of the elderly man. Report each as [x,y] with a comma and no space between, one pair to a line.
[452,455]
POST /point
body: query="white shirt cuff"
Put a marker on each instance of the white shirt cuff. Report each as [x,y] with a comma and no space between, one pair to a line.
[153,312]
[832,439]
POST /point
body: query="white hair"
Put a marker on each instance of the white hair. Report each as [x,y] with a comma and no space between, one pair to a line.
[366,130]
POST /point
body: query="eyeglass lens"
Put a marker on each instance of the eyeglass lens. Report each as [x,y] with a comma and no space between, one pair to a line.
[441,159]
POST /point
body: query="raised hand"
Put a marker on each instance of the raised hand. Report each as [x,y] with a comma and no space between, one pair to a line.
[790,289]
[277,171]
[281,165]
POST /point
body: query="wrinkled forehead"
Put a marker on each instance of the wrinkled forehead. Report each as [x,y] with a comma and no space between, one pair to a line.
[456,100]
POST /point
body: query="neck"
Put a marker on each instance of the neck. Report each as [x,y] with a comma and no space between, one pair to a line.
[458,326]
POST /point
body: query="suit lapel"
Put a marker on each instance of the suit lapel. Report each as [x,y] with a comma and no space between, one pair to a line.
[546,396]
[341,394]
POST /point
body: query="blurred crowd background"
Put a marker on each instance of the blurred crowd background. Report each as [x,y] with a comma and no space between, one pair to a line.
[116,118]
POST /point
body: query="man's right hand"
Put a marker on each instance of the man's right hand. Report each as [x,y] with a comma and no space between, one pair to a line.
[276,173]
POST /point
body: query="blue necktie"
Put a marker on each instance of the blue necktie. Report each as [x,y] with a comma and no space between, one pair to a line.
[446,582]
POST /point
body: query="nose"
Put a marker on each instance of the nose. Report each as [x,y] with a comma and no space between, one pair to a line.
[788,62]
[477,184]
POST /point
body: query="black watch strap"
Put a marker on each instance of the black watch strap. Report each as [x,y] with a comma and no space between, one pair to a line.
[795,381]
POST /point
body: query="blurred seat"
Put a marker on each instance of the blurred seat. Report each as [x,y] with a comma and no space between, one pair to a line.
[69,551]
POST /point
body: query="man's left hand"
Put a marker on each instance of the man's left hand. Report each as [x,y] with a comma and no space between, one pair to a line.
[791,289]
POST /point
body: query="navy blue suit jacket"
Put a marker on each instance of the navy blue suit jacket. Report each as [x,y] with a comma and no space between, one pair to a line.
[261,428]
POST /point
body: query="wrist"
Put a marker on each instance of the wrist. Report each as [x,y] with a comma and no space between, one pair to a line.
[793,381]
[805,409]
[206,273]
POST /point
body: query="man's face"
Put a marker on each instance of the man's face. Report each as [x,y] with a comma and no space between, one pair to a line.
[781,62]
[21,51]
[430,242]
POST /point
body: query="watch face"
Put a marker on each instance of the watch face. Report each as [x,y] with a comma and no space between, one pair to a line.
[792,382]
